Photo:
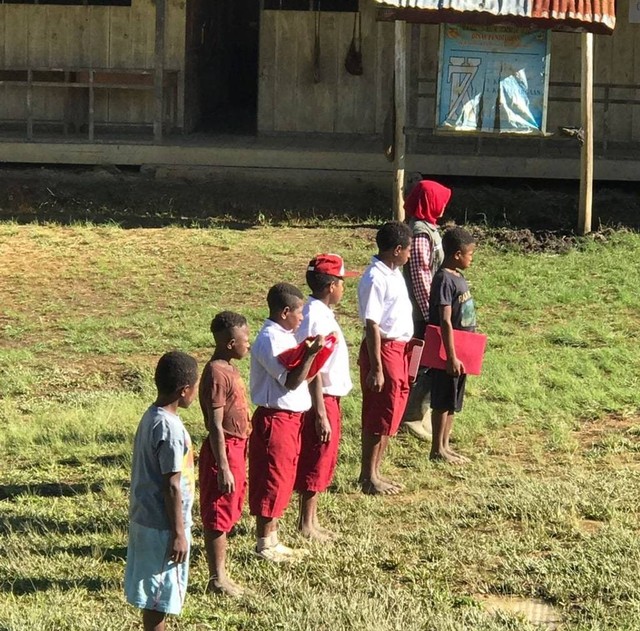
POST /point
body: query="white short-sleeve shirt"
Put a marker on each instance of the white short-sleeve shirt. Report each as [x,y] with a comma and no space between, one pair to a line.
[319,319]
[268,376]
[384,299]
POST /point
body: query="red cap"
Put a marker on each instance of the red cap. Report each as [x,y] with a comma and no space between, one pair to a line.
[330,264]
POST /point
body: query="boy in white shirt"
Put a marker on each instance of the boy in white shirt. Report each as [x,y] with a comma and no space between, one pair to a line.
[282,397]
[322,423]
[386,312]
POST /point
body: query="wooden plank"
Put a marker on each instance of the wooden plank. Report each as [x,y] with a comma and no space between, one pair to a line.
[384,76]
[176,51]
[400,83]
[349,109]
[586,154]
[159,61]
[119,103]
[286,71]
[16,54]
[97,38]
[267,71]
[366,84]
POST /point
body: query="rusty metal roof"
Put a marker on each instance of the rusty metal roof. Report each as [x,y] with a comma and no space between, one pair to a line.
[597,16]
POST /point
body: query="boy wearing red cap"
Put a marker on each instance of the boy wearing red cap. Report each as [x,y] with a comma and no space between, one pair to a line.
[223,463]
[385,310]
[282,397]
[322,423]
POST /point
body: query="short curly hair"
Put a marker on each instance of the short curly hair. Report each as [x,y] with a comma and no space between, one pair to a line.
[393,234]
[284,295]
[175,370]
[456,239]
[227,320]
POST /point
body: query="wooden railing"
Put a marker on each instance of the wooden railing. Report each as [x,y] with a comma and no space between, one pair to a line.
[80,85]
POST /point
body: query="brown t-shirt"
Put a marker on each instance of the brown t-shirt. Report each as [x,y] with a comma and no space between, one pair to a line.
[221,386]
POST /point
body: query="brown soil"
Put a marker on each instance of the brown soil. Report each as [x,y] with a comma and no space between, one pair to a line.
[533,215]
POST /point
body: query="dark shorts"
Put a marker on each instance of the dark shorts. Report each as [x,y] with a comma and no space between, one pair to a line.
[447,392]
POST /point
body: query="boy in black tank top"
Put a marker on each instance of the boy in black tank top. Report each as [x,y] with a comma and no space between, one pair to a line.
[450,307]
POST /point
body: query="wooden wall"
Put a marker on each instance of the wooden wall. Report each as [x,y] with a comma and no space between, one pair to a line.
[51,36]
[289,100]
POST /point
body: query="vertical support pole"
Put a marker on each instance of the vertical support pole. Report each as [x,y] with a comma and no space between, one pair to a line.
[29,104]
[586,155]
[158,80]
[400,140]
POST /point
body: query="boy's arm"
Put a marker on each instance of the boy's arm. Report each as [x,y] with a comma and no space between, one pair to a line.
[454,365]
[323,428]
[375,378]
[178,546]
[296,376]
[226,481]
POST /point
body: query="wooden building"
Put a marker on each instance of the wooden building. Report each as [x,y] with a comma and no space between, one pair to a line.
[253,84]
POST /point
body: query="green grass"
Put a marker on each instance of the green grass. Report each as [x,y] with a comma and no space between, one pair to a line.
[547,509]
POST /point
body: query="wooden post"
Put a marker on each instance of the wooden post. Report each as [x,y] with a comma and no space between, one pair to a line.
[158,79]
[400,140]
[586,155]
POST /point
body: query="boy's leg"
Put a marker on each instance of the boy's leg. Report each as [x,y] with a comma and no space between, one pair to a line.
[373,447]
[447,433]
[215,544]
[153,620]
[308,518]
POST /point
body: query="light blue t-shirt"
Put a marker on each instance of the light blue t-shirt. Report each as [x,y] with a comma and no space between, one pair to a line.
[162,445]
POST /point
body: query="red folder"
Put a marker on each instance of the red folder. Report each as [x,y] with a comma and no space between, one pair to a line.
[415,348]
[294,356]
[469,349]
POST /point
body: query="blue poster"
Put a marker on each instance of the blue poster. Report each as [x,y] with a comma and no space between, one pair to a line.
[492,79]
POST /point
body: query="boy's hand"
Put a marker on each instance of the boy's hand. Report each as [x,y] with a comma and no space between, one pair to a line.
[454,367]
[323,429]
[315,345]
[226,481]
[375,380]
[178,548]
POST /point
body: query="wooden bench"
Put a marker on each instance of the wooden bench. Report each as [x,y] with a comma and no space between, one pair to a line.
[88,80]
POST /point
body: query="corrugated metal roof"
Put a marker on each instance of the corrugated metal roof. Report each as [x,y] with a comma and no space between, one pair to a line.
[591,15]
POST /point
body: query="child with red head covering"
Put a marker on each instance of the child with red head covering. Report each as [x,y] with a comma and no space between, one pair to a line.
[424,205]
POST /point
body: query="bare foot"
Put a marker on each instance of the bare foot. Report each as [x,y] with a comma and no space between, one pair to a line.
[397,485]
[330,534]
[378,487]
[460,457]
[444,456]
[225,587]
[313,533]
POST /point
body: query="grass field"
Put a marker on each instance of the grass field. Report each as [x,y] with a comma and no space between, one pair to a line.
[547,510]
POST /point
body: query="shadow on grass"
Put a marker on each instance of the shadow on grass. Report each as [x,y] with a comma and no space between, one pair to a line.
[52,489]
[44,525]
[105,554]
[24,586]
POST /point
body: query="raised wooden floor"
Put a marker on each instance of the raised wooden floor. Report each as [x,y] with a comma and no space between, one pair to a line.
[343,155]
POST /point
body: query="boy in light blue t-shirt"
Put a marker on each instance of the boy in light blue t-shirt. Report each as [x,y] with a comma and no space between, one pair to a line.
[161,498]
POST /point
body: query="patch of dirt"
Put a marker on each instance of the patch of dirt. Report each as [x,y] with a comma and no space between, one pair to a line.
[593,432]
[535,611]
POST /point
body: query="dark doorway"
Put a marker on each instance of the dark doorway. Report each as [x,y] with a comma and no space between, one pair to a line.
[227,65]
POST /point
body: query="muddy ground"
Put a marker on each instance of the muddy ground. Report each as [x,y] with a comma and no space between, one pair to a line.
[525,214]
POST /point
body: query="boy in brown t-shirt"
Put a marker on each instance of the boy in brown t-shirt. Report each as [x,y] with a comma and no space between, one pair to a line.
[223,480]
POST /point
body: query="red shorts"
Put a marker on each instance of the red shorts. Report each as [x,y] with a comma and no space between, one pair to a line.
[221,511]
[318,460]
[274,448]
[383,411]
